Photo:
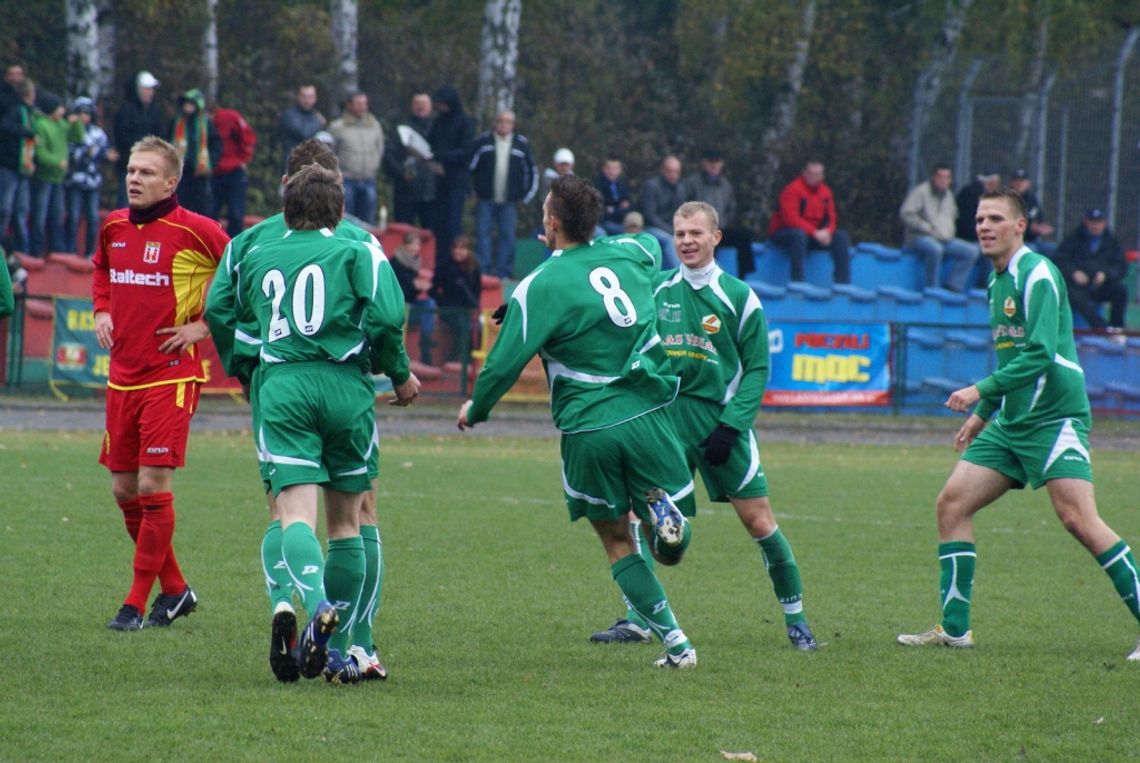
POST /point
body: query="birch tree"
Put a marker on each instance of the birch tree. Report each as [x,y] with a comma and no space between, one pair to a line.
[783,121]
[1033,81]
[210,50]
[498,58]
[82,48]
[105,47]
[929,82]
[344,15]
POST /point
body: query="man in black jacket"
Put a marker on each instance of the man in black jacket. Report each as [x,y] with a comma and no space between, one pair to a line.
[504,174]
[413,181]
[1092,262]
[138,117]
[450,139]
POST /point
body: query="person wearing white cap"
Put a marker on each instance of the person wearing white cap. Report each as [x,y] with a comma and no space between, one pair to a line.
[138,117]
[563,161]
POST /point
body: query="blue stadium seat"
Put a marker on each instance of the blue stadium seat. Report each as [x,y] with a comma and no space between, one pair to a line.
[942,386]
[1132,360]
[725,256]
[1102,358]
[772,297]
[977,306]
[949,306]
[899,304]
[819,268]
[856,303]
[970,354]
[1125,396]
[1098,395]
[770,265]
[925,354]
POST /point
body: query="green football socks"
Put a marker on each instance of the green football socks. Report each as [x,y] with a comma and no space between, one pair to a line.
[956,562]
[1120,566]
[277,580]
[641,546]
[643,592]
[785,574]
[302,553]
[344,576]
[373,588]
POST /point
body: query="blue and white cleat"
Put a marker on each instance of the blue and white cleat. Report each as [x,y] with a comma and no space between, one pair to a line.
[312,647]
[668,521]
[371,668]
[801,637]
[169,607]
[623,632]
[341,670]
[128,619]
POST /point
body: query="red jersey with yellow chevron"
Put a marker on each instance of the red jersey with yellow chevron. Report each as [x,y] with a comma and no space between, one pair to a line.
[152,276]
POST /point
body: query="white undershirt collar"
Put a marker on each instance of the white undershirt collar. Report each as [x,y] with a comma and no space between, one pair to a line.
[699,278]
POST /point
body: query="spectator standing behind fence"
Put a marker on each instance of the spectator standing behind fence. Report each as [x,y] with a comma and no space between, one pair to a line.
[451,136]
[616,198]
[193,136]
[1092,263]
[359,147]
[230,182]
[406,264]
[929,214]
[299,122]
[1037,229]
[84,178]
[413,181]
[562,164]
[710,186]
[17,163]
[660,197]
[53,133]
[806,219]
[456,293]
[13,75]
[504,174]
[138,117]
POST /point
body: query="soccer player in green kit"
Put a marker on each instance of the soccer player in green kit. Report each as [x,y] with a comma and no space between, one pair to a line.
[716,336]
[588,313]
[1040,435]
[322,304]
[238,348]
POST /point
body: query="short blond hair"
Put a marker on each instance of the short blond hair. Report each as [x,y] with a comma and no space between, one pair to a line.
[690,208]
[169,153]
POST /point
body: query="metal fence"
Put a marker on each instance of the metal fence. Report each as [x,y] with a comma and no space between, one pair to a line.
[1080,145]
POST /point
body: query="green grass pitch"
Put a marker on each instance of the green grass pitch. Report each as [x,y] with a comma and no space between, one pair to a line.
[491,593]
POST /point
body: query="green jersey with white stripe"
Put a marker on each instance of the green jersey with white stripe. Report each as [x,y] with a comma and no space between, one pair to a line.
[716,336]
[1039,378]
[315,296]
[233,328]
[588,312]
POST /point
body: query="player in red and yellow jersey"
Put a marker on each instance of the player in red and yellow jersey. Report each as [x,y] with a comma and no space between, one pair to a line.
[152,268]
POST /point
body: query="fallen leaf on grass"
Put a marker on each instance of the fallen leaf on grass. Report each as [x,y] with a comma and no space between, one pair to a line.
[738,755]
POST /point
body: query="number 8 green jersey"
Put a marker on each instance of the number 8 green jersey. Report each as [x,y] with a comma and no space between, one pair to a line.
[588,312]
[319,297]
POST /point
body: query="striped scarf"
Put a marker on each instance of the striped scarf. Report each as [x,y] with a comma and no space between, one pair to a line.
[202,150]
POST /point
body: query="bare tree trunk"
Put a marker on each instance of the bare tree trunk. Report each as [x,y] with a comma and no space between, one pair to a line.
[1033,82]
[210,50]
[82,48]
[344,14]
[929,83]
[498,57]
[783,120]
[105,47]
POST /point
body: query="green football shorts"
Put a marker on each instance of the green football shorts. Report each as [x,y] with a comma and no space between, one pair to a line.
[1059,449]
[607,472]
[318,425]
[263,463]
[742,475]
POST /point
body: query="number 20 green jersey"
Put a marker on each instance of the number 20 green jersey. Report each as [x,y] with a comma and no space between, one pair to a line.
[1039,378]
[588,312]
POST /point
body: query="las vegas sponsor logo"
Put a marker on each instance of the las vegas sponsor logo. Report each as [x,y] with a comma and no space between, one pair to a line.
[135,278]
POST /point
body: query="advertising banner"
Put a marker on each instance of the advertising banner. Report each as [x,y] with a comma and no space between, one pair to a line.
[841,364]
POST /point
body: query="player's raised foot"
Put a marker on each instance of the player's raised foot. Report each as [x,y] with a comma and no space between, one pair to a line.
[801,637]
[283,645]
[128,619]
[623,632]
[668,521]
[371,668]
[341,670]
[169,607]
[312,647]
[937,637]
[683,661]
[1135,656]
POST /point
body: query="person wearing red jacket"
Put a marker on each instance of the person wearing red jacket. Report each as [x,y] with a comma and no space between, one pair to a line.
[806,218]
[229,179]
[153,263]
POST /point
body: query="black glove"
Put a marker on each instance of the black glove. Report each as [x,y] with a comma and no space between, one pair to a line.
[499,314]
[718,445]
